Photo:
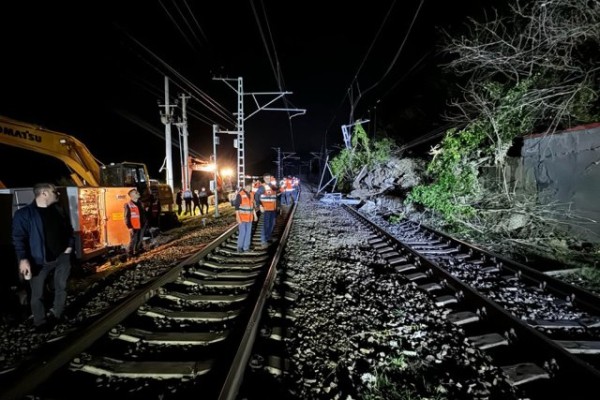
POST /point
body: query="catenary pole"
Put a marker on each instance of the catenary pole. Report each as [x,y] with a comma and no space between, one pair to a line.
[216,188]
[186,153]
[241,117]
[166,117]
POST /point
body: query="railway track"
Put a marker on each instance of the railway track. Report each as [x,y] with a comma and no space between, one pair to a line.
[186,333]
[191,331]
[542,332]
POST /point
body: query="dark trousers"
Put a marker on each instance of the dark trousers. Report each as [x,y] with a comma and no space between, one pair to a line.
[203,203]
[268,225]
[135,241]
[61,268]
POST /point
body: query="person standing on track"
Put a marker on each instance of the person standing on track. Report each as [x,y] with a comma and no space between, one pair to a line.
[266,200]
[245,215]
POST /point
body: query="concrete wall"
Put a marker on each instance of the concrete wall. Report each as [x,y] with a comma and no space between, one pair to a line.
[565,168]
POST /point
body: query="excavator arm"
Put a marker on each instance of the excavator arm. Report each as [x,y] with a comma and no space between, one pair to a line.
[84,167]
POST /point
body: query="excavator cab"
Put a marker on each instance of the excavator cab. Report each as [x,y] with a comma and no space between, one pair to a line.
[156,197]
[126,174]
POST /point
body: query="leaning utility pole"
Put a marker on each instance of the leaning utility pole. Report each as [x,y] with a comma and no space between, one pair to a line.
[166,118]
[347,134]
[241,168]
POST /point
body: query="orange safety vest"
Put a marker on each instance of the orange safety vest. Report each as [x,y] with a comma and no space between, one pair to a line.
[246,209]
[288,185]
[134,215]
[269,199]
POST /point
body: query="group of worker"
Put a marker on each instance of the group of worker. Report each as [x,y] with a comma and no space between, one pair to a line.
[43,236]
[196,199]
[265,197]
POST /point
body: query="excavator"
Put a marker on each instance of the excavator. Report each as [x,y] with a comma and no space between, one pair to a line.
[96,202]
[207,169]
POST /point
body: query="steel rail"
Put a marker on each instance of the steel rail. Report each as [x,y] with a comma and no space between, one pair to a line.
[235,374]
[28,376]
[585,299]
[580,375]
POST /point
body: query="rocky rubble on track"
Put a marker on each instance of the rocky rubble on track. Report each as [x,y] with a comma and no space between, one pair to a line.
[362,331]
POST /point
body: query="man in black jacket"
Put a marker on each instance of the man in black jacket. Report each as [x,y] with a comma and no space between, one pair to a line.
[43,240]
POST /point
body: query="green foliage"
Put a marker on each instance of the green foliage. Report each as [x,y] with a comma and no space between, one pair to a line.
[387,386]
[545,78]
[386,389]
[592,274]
[349,162]
[396,218]
[582,105]
[453,171]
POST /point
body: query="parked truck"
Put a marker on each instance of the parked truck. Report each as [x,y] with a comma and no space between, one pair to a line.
[96,200]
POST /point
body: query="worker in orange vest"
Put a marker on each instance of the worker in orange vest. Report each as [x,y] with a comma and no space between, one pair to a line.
[244,215]
[265,199]
[135,219]
[288,190]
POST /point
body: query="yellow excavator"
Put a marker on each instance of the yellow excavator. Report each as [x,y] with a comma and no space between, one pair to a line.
[86,170]
[98,208]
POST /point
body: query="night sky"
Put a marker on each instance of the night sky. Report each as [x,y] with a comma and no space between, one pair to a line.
[96,71]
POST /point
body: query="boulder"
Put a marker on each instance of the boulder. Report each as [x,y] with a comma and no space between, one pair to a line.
[396,176]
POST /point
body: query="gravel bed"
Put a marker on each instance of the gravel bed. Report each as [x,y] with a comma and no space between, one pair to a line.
[91,295]
[519,298]
[363,331]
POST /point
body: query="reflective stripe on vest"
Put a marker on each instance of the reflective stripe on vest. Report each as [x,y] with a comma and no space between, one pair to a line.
[246,209]
[134,215]
[269,199]
[288,185]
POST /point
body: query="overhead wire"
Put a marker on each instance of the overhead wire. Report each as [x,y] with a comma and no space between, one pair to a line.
[418,63]
[157,92]
[396,56]
[185,20]
[265,44]
[280,78]
[187,23]
[364,60]
[195,20]
[185,37]
[355,77]
[273,59]
[203,98]
[152,129]
[440,131]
